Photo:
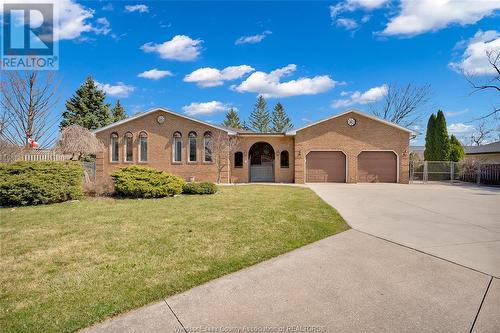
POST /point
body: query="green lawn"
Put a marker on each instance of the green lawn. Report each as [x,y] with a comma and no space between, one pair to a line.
[67,266]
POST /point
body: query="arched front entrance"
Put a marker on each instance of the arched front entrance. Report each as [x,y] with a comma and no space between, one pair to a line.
[261,156]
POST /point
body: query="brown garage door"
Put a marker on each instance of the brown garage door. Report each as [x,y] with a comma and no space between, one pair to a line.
[377,167]
[325,166]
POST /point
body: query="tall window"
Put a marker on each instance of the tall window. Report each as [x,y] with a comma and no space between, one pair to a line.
[129,147]
[207,147]
[177,147]
[192,147]
[238,159]
[114,147]
[143,147]
[284,159]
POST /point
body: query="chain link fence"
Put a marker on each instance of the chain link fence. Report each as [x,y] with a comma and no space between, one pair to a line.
[447,171]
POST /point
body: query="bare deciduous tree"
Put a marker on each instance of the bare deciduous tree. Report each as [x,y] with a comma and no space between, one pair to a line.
[492,84]
[403,104]
[222,146]
[27,100]
[482,134]
[78,141]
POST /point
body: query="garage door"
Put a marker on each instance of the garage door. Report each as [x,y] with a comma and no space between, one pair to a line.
[325,166]
[377,167]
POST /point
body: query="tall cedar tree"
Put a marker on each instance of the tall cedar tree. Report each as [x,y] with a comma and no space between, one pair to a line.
[430,146]
[232,119]
[442,138]
[118,112]
[87,107]
[259,118]
[281,122]
[456,149]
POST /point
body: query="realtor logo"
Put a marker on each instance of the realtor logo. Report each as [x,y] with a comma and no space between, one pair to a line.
[28,37]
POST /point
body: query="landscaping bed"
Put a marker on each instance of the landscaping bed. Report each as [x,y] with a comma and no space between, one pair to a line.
[69,265]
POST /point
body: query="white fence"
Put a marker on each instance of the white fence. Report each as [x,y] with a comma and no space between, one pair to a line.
[34,156]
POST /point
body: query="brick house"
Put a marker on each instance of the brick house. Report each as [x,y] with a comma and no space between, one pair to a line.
[348,147]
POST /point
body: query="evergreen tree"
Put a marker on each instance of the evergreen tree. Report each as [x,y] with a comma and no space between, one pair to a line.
[232,119]
[442,140]
[430,146]
[281,122]
[259,118]
[87,107]
[118,112]
[456,149]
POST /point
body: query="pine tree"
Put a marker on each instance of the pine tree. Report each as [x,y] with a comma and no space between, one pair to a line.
[232,119]
[118,112]
[442,138]
[259,118]
[281,122]
[87,107]
[456,149]
[430,146]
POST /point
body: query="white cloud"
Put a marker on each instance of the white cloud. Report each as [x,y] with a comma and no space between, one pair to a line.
[371,95]
[252,39]
[474,60]
[71,19]
[181,48]
[269,85]
[103,27]
[213,77]
[461,130]
[196,109]
[137,8]
[456,113]
[154,74]
[350,6]
[118,90]
[108,7]
[416,17]
[346,23]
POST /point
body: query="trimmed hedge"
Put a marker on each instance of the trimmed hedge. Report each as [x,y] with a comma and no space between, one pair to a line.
[35,183]
[143,182]
[199,188]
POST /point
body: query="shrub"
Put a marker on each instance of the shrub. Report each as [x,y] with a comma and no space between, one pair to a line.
[143,182]
[34,183]
[199,188]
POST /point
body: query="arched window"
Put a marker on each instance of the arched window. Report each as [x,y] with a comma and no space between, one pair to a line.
[192,147]
[238,159]
[207,147]
[128,147]
[143,147]
[114,148]
[177,147]
[284,159]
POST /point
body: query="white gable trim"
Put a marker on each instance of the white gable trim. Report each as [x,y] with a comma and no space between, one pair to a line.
[139,115]
[293,132]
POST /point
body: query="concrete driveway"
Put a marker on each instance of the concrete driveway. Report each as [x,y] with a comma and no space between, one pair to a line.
[460,223]
[350,282]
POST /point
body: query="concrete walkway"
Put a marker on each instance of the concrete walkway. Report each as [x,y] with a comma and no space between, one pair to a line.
[460,223]
[349,282]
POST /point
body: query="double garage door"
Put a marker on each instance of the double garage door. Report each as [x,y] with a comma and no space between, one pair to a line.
[330,167]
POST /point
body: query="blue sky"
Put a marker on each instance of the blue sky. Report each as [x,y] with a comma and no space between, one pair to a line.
[316,58]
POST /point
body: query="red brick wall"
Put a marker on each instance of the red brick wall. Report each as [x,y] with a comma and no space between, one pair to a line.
[279,143]
[160,147]
[367,134]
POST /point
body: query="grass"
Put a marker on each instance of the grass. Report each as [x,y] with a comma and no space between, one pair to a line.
[67,266]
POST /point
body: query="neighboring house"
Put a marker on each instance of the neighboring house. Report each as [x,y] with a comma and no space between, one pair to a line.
[349,147]
[418,151]
[489,153]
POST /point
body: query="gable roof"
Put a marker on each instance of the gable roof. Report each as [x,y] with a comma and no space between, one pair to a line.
[490,148]
[142,114]
[294,131]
